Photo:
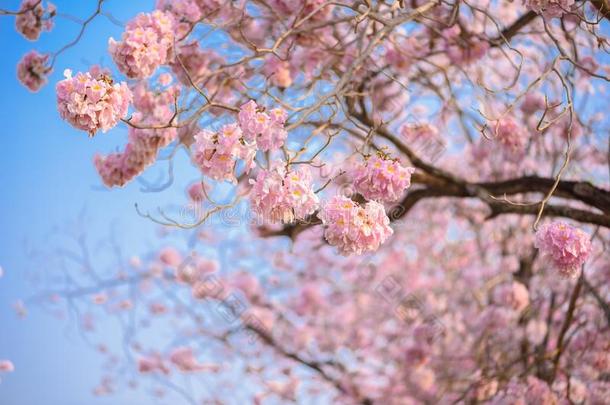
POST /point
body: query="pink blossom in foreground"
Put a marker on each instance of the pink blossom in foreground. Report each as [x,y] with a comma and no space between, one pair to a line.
[145,44]
[549,8]
[153,110]
[6,366]
[91,101]
[216,153]
[33,69]
[267,130]
[34,18]
[279,195]
[381,178]
[353,228]
[567,247]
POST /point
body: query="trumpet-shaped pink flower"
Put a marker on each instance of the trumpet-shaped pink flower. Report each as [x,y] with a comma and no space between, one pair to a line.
[216,153]
[33,69]
[91,101]
[33,18]
[279,195]
[567,247]
[145,45]
[380,178]
[353,228]
[267,130]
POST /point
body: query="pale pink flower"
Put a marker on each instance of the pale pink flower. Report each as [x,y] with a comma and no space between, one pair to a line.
[514,295]
[381,178]
[463,50]
[92,102]
[33,18]
[353,228]
[170,257]
[184,359]
[565,246]
[267,130]
[152,364]
[6,366]
[33,69]
[511,135]
[279,195]
[196,191]
[145,45]
[549,8]
[216,154]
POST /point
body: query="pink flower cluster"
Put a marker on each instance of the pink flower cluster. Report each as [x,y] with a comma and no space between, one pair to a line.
[91,101]
[353,228]
[381,178]
[145,45]
[279,195]
[267,130]
[153,107]
[216,153]
[33,18]
[513,295]
[512,137]
[549,8]
[33,69]
[567,247]
[463,51]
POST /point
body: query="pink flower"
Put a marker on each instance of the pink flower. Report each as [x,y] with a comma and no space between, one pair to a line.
[549,8]
[511,135]
[514,295]
[170,257]
[353,228]
[380,178]
[6,366]
[565,246]
[267,130]
[33,18]
[197,62]
[92,102]
[184,359]
[463,50]
[33,69]
[196,191]
[145,44]
[279,195]
[216,154]
[152,364]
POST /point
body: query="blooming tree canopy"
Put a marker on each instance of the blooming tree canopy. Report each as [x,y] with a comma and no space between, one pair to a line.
[418,197]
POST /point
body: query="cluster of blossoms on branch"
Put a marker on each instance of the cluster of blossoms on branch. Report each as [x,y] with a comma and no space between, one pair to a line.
[566,247]
[146,44]
[91,101]
[381,178]
[34,17]
[33,70]
[283,195]
[355,228]
[153,108]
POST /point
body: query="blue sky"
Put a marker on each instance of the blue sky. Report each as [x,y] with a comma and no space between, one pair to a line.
[47,179]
